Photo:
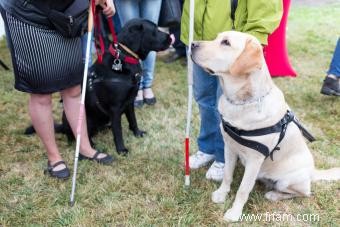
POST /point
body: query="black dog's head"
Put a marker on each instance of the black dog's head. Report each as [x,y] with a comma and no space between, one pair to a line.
[143,36]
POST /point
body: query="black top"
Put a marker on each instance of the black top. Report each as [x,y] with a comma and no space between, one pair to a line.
[59,5]
[30,11]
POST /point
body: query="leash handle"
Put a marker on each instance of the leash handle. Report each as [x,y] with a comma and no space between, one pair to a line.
[112,30]
[99,40]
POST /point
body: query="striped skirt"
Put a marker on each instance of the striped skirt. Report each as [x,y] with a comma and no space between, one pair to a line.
[43,61]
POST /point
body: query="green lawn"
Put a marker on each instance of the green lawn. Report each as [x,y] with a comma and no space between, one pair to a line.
[146,188]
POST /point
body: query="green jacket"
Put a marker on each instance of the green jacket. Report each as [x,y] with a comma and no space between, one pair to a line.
[256,17]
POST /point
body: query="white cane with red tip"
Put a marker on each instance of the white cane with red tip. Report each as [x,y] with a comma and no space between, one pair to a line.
[82,107]
[190,82]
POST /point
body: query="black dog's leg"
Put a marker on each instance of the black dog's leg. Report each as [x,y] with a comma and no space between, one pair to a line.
[58,128]
[91,132]
[116,126]
[131,117]
[67,129]
[4,65]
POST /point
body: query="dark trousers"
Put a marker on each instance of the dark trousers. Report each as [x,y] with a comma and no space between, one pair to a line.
[178,45]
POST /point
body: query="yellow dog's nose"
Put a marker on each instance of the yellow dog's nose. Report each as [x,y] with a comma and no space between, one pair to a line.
[194,45]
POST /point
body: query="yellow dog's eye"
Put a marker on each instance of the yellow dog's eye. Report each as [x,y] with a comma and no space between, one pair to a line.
[225,42]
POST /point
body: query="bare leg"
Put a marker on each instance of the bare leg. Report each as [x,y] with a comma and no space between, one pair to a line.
[71,101]
[248,181]
[40,109]
[220,194]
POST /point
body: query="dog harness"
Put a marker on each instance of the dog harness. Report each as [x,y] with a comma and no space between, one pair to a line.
[279,127]
[92,79]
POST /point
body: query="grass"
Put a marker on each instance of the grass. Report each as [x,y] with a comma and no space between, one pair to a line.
[146,188]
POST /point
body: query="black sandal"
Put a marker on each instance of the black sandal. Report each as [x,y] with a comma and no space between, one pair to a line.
[62,174]
[108,159]
[150,101]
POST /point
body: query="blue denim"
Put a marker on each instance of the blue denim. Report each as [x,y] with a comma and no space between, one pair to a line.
[146,9]
[116,23]
[207,91]
[334,67]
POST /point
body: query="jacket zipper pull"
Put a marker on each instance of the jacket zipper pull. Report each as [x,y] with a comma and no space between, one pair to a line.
[71,20]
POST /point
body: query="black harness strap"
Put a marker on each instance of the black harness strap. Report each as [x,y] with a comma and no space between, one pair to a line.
[263,149]
[280,127]
[304,131]
[92,79]
[3,65]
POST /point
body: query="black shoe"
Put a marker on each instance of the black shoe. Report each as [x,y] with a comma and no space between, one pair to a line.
[173,57]
[331,86]
[151,101]
[107,160]
[62,174]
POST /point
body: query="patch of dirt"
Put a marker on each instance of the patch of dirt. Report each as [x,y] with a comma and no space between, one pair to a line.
[314,2]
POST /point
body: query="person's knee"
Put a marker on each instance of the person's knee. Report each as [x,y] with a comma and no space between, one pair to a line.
[205,97]
[41,99]
[72,92]
[205,91]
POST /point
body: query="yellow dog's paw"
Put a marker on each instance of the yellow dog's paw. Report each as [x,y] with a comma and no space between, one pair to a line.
[271,195]
[232,215]
[218,196]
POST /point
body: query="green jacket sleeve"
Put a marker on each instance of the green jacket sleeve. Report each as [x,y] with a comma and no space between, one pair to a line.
[263,18]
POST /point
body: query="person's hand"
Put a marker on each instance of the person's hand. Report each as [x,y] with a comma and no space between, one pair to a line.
[98,2]
[108,7]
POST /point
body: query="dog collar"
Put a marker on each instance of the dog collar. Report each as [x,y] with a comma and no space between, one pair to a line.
[245,102]
[133,59]
[129,51]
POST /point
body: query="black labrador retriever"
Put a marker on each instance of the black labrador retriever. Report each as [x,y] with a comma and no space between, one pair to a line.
[113,84]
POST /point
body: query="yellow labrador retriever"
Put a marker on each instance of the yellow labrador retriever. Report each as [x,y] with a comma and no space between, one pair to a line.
[257,124]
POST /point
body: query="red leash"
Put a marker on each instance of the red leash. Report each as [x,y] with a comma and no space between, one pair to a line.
[113,49]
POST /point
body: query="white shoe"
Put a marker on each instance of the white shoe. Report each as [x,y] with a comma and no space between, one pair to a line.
[200,159]
[215,172]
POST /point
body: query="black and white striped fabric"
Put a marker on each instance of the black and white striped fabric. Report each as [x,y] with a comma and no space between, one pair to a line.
[43,60]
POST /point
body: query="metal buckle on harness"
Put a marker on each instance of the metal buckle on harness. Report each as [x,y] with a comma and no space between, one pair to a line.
[91,77]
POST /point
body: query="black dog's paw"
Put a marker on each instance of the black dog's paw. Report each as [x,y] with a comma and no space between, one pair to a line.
[123,151]
[29,130]
[93,144]
[139,133]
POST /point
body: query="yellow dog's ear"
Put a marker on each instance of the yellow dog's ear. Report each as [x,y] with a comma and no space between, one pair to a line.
[249,60]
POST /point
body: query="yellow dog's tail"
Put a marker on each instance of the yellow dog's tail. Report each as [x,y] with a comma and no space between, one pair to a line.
[327,174]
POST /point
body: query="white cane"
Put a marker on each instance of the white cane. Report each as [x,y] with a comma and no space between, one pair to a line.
[82,107]
[190,82]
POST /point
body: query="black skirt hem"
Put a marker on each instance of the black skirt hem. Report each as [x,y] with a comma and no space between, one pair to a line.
[47,91]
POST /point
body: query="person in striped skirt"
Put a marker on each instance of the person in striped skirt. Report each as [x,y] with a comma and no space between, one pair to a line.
[45,62]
